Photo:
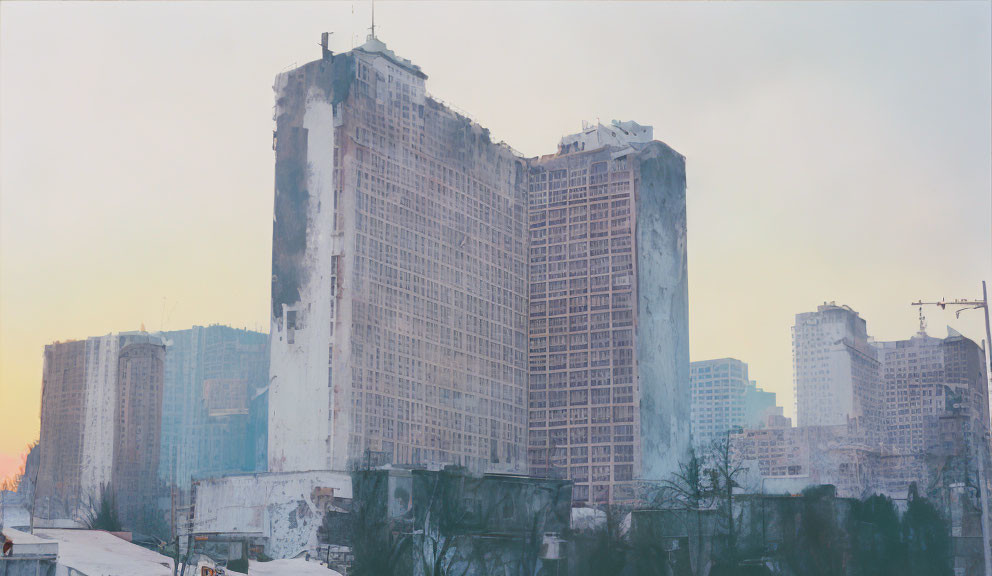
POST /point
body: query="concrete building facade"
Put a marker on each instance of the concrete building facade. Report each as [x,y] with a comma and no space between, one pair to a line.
[398,274]
[608,330]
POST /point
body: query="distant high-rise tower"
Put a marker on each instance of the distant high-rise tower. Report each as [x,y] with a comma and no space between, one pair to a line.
[608,320]
[78,399]
[138,423]
[63,421]
[212,376]
[399,274]
[926,378]
[725,399]
[836,371]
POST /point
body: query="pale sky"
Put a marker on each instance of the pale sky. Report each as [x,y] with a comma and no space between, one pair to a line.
[834,151]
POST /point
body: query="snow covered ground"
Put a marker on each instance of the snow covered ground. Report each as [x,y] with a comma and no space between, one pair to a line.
[97,553]
[294,567]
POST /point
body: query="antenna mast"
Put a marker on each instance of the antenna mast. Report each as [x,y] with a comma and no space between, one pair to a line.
[373,18]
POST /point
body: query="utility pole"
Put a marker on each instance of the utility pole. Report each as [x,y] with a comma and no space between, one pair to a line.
[962,305]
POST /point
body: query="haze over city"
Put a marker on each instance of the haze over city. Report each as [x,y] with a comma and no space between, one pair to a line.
[136,164]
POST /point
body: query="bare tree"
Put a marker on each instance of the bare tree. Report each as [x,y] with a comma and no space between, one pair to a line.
[692,490]
[725,468]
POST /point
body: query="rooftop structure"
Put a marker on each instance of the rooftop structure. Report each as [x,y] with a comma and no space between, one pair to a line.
[618,134]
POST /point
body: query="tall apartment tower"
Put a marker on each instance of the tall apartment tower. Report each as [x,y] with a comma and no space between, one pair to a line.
[836,371]
[725,399]
[608,329]
[63,420]
[399,274]
[138,423]
[79,393]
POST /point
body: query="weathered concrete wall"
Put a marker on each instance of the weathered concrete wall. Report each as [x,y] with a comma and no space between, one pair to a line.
[662,310]
[299,393]
[281,508]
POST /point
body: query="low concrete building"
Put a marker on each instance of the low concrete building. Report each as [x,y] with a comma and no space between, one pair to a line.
[30,555]
[276,512]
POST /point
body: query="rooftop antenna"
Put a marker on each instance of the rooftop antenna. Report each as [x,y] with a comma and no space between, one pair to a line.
[373,18]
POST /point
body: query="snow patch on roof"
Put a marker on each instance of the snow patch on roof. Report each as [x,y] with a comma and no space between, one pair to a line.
[97,553]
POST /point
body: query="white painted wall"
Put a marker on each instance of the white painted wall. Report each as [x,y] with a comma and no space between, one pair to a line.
[299,396]
[275,506]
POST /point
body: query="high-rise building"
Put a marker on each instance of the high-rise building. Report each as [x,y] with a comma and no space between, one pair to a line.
[403,244]
[399,274]
[134,411]
[213,377]
[62,424]
[836,371]
[926,378]
[79,395]
[760,407]
[137,428]
[725,399]
[608,330]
